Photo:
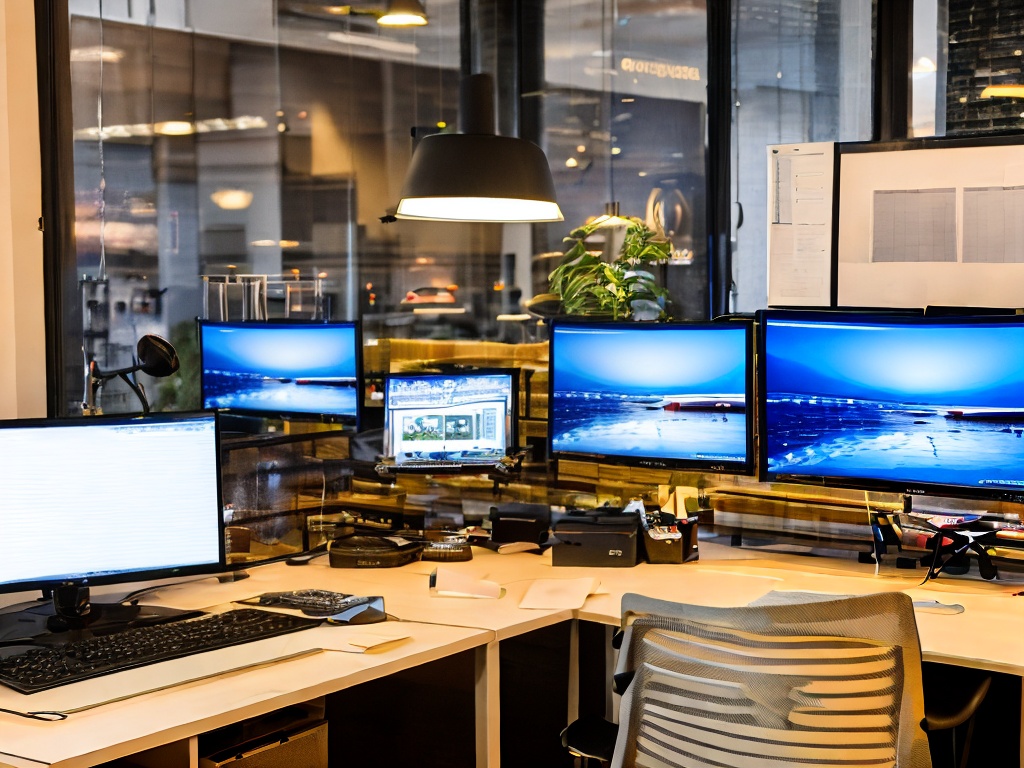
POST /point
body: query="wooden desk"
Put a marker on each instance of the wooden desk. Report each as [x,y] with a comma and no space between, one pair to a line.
[989,634]
[172,719]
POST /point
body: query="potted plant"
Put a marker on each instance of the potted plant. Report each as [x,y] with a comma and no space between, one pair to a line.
[619,289]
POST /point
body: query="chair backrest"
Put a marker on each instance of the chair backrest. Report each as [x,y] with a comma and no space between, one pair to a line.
[830,683]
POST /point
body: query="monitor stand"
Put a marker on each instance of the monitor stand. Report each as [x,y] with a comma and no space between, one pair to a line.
[70,611]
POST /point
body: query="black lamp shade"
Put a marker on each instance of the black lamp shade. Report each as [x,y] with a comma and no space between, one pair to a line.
[478,177]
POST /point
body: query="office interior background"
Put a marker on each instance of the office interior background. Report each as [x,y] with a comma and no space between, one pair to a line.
[184,140]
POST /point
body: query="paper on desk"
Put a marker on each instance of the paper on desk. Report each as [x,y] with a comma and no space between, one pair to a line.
[364,640]
[446,582]
[559,594]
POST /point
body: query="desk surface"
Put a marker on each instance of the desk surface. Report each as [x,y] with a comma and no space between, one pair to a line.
[989,634]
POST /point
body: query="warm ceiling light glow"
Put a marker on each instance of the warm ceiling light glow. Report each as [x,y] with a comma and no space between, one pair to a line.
[232,199]
[616,150]
[923,65]
[174,128]
[477,209]
[380,43]
[94,53]
[1003,91]
[581,148]
[571,162]
[241,123]
[403,13]
[273,243]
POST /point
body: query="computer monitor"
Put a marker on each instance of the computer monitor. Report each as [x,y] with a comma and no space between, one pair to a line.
[466,417]
[659,395]
[928,405]
[103,500]
[283,369]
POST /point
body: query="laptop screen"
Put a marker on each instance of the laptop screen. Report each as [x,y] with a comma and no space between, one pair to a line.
[466,417]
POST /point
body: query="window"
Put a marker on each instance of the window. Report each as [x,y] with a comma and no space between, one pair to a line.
[624,113]
[241,138]
[801,73]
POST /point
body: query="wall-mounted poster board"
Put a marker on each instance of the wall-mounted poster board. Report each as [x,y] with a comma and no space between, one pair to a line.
[800,195]
[935,223]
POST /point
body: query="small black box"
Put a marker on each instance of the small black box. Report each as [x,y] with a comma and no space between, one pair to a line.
[596,538]
[520,521]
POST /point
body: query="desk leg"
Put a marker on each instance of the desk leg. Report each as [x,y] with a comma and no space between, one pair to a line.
[488,703]
[574,671]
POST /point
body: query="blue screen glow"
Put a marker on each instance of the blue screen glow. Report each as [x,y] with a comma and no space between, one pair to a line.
[897,402]
[281,368]
[651,393]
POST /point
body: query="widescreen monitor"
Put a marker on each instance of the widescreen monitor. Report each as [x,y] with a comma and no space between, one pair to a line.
[660,395]
[466,417]
[283,369]
[102,499]
[908,405]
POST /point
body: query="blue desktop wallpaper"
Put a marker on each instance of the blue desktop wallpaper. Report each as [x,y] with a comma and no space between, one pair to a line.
[304,369]
[899,403]
[648,391]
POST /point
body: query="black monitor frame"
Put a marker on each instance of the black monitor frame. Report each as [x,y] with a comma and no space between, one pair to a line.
[744,467]
[70,592]
[907,487]
[347,421]
[442,372]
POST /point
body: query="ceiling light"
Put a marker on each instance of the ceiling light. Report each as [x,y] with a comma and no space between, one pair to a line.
[396,13]
[380,43]
[476,175]
[232,199]
[174,128]
[611,218]
[1004,91]
[403,13]
[923,65]
[103,53]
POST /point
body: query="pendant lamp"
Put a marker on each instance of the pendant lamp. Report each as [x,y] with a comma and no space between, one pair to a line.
[476,175]
[403,13]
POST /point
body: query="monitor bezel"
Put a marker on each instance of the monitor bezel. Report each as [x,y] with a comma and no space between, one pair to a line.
[869,484]
[512,440]
[135,575]
[349,422]
[744,467]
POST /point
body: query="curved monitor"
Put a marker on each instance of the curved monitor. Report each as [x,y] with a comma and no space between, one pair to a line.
[283,369]
[927,405]
[659,395]
[102,500]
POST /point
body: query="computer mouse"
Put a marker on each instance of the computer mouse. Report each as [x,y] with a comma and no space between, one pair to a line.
[934,606]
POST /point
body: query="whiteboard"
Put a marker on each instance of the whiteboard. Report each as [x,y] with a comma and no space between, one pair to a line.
[931,226]
[800,193]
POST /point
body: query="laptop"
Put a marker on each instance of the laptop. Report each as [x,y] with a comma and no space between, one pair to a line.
[450,422]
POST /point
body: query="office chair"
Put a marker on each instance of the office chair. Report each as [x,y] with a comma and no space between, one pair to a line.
[836,682]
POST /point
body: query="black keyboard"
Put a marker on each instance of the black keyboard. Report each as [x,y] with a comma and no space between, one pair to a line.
[49,666]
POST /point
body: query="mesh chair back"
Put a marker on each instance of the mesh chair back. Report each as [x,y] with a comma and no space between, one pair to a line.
[833,683]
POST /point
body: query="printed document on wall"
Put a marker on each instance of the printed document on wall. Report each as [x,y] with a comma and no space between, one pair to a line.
[800,181]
